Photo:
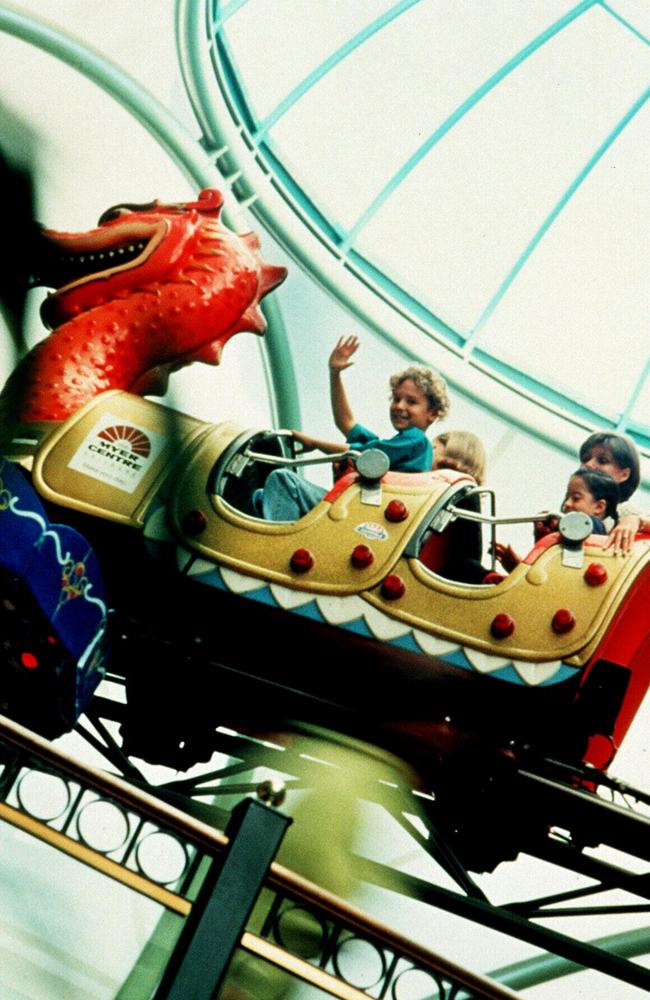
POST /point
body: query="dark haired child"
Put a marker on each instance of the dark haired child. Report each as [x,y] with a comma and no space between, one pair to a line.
[616,455]
[588,491]
[594,493]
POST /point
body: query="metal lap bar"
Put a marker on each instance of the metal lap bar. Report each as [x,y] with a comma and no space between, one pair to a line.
[492,520]
[471,515]
[294,462]
[493,528]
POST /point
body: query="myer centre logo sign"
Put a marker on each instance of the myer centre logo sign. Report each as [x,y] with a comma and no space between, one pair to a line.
[117,453]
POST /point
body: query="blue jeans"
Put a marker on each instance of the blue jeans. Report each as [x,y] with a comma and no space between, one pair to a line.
[286,496]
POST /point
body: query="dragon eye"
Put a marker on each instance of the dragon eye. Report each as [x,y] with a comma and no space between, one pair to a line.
[117,211]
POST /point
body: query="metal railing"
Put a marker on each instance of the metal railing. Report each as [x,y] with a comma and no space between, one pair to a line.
[77,789]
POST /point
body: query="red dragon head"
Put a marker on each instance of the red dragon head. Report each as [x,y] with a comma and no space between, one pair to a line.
[151,289]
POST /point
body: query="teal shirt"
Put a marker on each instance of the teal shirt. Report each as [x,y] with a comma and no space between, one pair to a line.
[409,450]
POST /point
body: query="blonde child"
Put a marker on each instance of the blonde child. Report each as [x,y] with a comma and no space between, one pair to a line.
[462,451]
[418,398]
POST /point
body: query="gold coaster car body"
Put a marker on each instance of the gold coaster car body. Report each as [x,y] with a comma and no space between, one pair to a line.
[366,571]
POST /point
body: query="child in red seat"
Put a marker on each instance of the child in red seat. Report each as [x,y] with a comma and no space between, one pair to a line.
[588,491]
[462,451]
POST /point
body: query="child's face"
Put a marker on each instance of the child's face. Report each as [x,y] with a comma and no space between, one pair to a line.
[409,407]
[579,498]
[601,458]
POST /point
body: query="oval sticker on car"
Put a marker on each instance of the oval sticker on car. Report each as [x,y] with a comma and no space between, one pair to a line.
[370,529]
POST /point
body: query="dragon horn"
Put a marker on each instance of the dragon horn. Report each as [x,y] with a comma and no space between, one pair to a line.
[271,275]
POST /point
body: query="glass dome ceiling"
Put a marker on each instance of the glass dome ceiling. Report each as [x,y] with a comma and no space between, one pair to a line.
[469,177]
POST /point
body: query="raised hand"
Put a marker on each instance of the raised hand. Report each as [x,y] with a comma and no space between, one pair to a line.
[340,356]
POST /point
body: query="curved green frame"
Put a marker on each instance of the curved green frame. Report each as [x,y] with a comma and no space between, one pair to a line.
[206,61]
[186,152]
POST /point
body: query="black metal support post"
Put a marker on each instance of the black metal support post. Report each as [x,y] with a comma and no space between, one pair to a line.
[214,927]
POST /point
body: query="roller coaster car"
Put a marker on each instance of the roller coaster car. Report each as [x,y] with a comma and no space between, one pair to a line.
[357,615]
[370,615]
